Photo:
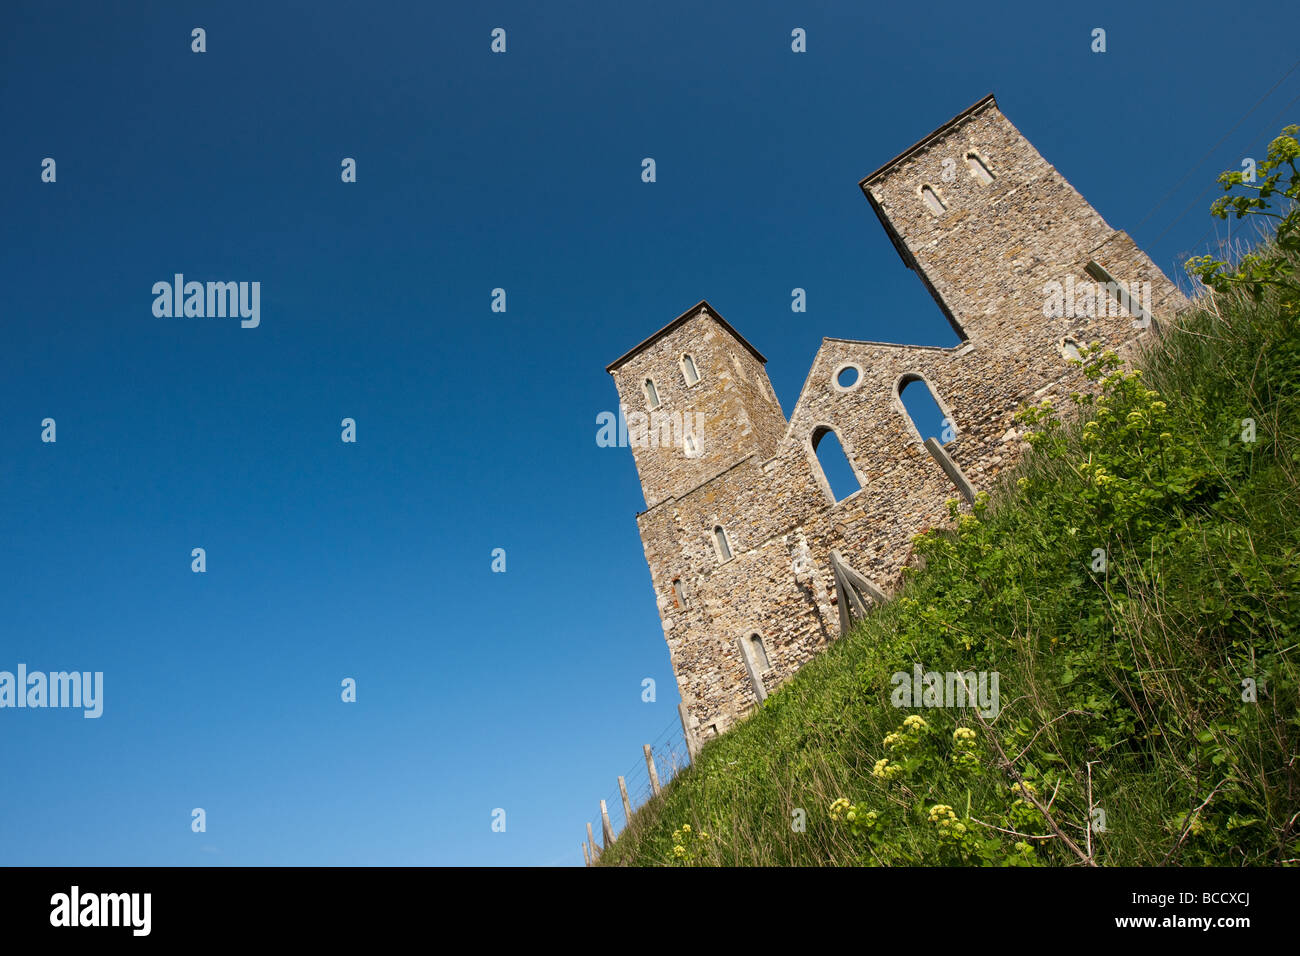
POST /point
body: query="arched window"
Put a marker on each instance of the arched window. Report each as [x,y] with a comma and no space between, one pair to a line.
[835,465]
[980,170]
[689,371]
[651,393]
[722,544]
[1070,349]
[932,200]
[924,411]
[758,653]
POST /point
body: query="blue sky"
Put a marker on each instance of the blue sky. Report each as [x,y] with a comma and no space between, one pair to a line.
[476,430]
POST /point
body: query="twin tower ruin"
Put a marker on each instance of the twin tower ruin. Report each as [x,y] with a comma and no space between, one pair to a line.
[756,567]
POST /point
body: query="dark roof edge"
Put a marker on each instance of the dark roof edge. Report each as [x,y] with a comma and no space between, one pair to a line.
[926,140]
[896,345]
[680,320]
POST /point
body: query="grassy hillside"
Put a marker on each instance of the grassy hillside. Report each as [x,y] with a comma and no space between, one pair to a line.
[1125,690]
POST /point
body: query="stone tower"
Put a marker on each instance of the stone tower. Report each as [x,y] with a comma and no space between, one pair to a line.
[697,400]
[755,564]
[986,223]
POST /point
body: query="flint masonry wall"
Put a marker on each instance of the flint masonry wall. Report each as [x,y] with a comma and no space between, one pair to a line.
[741,414]
[987,257]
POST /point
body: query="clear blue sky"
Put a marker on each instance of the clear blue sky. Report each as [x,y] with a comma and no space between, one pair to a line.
[476,429]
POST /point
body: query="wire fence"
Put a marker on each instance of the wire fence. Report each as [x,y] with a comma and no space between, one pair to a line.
[670,755]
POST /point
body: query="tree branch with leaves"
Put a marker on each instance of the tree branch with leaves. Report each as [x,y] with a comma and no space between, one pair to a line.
[1267,266]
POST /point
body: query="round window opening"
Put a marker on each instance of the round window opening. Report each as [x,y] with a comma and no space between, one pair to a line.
[847,377]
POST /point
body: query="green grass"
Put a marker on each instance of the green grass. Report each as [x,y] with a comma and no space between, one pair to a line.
[1121,691]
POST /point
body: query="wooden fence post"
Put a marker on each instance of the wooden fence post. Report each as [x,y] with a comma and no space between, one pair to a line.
[950,469]
[591,838]
[627,804]
[686,731]
[650,766]
[586,853]
[604,821]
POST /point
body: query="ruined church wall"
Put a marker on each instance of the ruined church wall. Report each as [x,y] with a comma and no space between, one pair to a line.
[989,257]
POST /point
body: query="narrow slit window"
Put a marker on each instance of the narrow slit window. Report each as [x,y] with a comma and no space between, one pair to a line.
[651,393]
[678,596]
[724,546]
[758,652]
[1121,297]
[689,445]
[933,201]
[689,370]
[981,171]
